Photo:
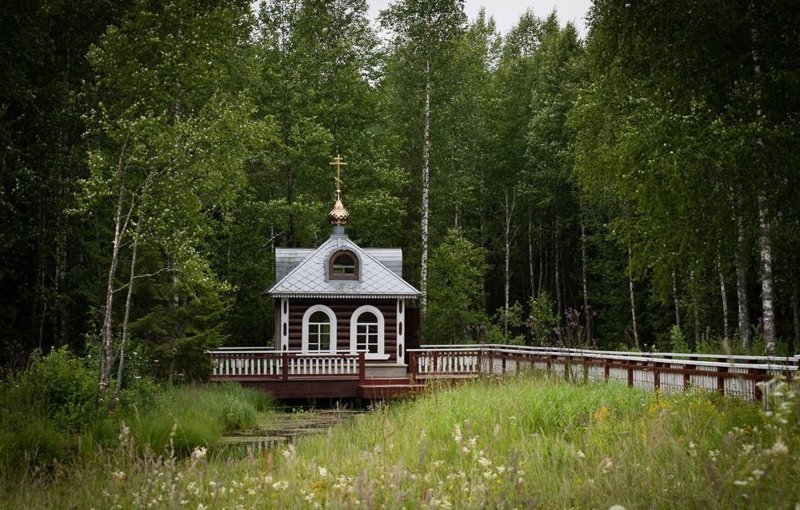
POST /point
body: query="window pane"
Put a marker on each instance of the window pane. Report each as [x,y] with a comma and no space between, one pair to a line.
[318,316]
[367,317]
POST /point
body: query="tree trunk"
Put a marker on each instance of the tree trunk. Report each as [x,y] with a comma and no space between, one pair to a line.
[633,299]
[675,299]
[530,257]
[106,331]
[795,318]
[767,303]
[741,278]
[724,295]
[507,238]
[695,309]
[556,257]
[541,260]
[60,324]
[585,286]
[124,339]
[426,146]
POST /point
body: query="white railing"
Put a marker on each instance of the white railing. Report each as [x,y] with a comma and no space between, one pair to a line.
[239,364]
[735,375]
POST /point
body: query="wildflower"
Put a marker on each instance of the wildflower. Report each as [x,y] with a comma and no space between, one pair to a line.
[280,485]
[580,455]
[457,434]
[323,472]
[201,506]
[124,431]
[606,465]
[758,473]
[289,452]
[779,448]
[713,455]
[199,454]
[119,475]
[740,483]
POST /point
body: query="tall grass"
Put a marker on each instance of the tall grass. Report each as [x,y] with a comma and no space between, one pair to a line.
[511,443]
[50,416]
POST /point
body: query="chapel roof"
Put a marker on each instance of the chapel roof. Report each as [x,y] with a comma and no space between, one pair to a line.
[309,278]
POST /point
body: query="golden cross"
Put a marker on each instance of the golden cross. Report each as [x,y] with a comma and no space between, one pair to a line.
[338,162]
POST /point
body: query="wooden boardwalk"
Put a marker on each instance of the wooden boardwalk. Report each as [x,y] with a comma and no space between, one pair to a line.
[302,375]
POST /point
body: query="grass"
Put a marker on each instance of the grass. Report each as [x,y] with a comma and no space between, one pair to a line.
[511,443]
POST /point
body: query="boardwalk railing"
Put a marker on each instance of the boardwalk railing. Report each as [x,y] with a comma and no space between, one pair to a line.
[264,365]
[667,372]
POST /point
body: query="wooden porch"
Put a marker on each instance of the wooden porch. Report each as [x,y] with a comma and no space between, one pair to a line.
[302,375]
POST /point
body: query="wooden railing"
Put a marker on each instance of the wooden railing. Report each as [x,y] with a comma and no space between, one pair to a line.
[734,375]
[264,365]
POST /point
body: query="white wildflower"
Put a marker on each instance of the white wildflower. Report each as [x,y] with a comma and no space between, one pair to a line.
[199,454]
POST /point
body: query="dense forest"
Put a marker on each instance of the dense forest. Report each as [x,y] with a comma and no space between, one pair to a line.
[633,189]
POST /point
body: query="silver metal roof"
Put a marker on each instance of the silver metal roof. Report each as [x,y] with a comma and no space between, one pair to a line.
[307,277]
[287,259]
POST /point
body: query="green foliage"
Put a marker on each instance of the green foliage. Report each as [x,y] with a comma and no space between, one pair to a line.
[678,340]
[454,310]
[542,320]
[49,414]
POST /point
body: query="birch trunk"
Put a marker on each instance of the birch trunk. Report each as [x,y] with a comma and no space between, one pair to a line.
[767,301]
[695,309]
[426,145]
[675,299]
[541,260]
[796,318]
[585,286]
[507,238]
[633,299]
[530,257]
[124,340]
[106,332]
[724,296]
[556,257]
[741,278]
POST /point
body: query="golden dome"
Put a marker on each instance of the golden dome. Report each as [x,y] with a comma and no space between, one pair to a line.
[338,215]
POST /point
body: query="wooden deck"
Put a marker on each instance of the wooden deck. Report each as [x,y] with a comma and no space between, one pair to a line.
[299,375]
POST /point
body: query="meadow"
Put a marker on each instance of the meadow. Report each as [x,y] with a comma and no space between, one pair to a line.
[518,442]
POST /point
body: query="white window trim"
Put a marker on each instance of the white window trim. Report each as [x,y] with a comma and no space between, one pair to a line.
[381,326]
[307,316]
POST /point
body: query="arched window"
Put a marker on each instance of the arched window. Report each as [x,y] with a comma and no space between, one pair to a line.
[366,332]
[343,265]
[319,330]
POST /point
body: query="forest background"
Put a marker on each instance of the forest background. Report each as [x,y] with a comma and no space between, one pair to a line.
[636,189]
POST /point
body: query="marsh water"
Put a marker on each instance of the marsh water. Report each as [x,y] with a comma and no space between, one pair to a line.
[286,425]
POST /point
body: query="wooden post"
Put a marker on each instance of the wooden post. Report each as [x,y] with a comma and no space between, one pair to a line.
[285,365]
[630,376]
[759,395]
[362,368]
[606,370]
[721,379]
[686,379]
[503,358]
[656,376]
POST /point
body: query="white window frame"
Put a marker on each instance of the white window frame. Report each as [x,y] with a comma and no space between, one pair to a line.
[381,337]
[306,319]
